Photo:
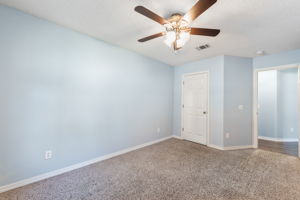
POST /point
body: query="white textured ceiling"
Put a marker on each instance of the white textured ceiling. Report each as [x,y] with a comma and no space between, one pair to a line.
[246,25]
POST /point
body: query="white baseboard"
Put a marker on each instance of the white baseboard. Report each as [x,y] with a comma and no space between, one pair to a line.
[177,137]
[230,148]
[215,147]
[278,139]
[76,166]
[222,148]
[238,147]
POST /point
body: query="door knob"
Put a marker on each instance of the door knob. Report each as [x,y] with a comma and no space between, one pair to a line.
[204,112]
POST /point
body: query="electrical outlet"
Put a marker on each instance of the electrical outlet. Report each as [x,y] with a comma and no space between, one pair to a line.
[158,130]
[241,107]
[227,135]
[48,154]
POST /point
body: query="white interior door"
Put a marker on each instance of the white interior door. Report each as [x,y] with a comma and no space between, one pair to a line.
[195,107]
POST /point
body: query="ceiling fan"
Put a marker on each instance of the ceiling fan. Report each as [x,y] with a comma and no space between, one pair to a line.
[177,26]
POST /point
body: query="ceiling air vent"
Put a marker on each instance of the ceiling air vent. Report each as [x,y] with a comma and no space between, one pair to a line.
[202,47]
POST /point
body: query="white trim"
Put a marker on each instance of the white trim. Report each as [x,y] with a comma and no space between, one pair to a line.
[255,99]
[281,67]
[208,103]
[255,111]
[238,147]
[222,148]
[215,147]
[298,111]
[278,139]
[177,137]
[231,147]
[76,166]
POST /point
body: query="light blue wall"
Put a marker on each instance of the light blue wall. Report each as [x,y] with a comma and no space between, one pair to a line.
[230,86]
[283,58]
[215,66]
[267,101]
[238,83]
[287,104]
[72,94]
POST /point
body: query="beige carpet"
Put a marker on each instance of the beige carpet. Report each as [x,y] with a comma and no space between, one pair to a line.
[175,169]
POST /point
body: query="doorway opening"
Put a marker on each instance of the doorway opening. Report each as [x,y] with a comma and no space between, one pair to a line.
[276,107]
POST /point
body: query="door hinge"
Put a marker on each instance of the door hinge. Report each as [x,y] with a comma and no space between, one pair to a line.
[182,105]
[182,82]
[182,129]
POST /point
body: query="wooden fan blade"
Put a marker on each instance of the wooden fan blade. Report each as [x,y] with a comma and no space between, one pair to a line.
[148,13]
[200,7]
[205,31]
[152,37]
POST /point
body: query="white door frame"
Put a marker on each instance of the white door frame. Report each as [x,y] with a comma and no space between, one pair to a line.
[255,100]
[208,107]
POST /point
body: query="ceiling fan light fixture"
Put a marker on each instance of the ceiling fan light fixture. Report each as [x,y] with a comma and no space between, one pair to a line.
[170,38]
[168,26]
[182,40]
[180,43]
[183,24]
[177,27]
[177,32]
[177,38]
[184,36]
